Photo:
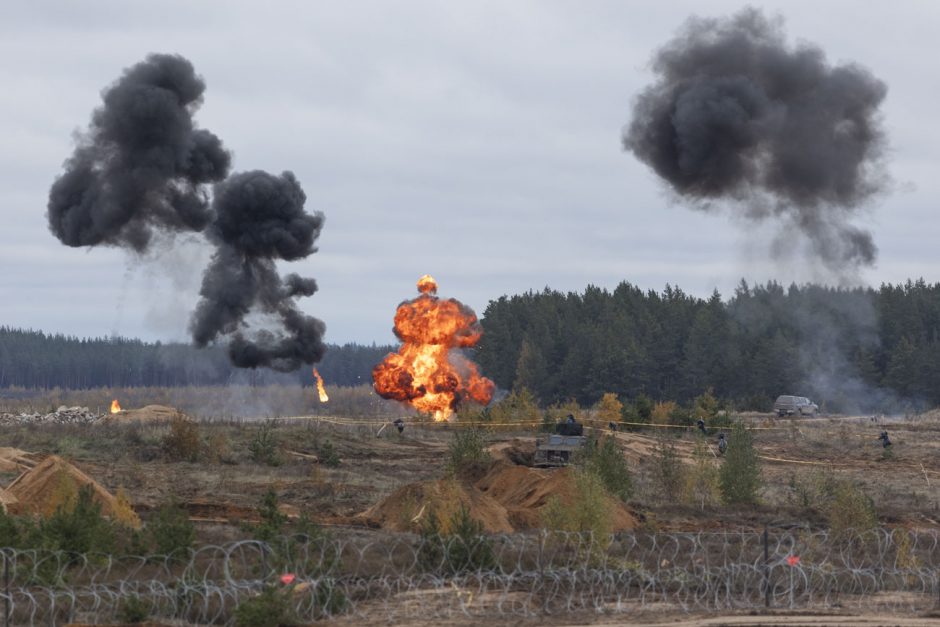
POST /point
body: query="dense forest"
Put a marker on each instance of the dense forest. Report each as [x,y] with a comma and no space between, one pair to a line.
[32,359]
[857,349]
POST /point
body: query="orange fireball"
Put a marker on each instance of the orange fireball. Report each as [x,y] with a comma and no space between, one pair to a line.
[427,372]
[115,406]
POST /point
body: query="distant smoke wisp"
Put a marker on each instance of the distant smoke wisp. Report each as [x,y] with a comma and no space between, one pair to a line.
[144,168]
[737,115]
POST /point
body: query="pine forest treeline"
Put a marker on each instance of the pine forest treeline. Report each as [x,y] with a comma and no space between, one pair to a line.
[859,349]
[32,359]
[856,349]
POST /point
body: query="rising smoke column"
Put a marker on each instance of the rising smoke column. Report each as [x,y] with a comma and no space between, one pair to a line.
[259,218]
[143,168]
[737,115]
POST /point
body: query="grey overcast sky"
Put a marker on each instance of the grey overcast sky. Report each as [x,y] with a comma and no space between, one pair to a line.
[475,141]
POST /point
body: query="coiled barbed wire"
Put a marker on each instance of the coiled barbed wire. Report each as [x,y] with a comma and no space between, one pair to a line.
[370,574]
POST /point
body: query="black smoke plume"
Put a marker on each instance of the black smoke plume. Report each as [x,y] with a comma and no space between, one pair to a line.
[259,218]
[738,115]
[143,168]
[143,165]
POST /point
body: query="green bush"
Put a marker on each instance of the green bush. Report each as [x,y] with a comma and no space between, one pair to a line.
[272,520]
[270,608]
[740,477]
[668,470]
[467,452]
[77,529]
[849,510]
[606,461]
[328,455]
[465,548]
[264,447]
[182,443]
[171,531]
[133,609]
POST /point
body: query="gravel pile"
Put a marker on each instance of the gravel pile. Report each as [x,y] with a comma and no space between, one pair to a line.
[63,415]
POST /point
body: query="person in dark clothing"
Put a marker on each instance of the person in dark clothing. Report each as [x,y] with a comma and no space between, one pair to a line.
[701,426]
[885,441]
[722,443]
[399,424]
[569,427]
[612,425]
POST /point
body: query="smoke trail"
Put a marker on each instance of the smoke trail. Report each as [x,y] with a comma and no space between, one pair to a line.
[738,115]
[143,168]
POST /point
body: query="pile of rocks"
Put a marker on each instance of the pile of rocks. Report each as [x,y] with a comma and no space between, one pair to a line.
[63,415]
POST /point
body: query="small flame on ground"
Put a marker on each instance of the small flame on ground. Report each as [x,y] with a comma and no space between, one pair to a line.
[320,389]
[427,372]
[115,406]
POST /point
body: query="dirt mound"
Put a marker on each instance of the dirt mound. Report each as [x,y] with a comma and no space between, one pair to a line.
[16,460]
[407,508]
[507,498]
[149,414]
[7,501]
[55,482]
[517,451]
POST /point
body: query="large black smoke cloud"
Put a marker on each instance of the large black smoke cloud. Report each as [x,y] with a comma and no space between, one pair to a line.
[738,115]
[143,168]
[259,218]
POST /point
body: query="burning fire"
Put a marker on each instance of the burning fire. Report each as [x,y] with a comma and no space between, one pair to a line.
[320,389]
[427,372]
[115,406]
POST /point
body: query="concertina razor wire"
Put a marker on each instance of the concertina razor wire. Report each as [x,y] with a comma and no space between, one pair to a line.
[376,576]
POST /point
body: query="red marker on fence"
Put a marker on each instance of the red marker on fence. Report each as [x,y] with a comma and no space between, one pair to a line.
[287,579]
[793,560]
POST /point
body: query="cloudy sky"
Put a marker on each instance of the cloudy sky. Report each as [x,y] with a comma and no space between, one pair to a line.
[475,141]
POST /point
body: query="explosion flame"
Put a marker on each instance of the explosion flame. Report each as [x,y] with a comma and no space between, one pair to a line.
[115,406]
[427,372]
[320,389]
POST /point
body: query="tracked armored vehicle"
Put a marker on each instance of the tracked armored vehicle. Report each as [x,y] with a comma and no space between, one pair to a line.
[557,449]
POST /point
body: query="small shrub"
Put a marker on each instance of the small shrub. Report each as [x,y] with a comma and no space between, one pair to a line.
[182,443]
[328,455]
[264,447]
[519,406]
[171,531]
[608,409]
[270,608]
[124,513]
[661,412]
[850,510]
[669,472]
[467,452]
[464,548]
[133,609]
[740,476]
[587,511]
[606,461]
[217,449]
[78,529]
[702,483]
[272,520]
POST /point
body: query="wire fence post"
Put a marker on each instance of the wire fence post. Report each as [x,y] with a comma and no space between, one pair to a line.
[766,570]
[6,590]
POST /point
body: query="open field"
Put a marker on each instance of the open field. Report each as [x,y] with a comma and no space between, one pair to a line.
[336,471]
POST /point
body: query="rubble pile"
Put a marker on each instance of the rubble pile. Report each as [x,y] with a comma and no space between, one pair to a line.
[63,415]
